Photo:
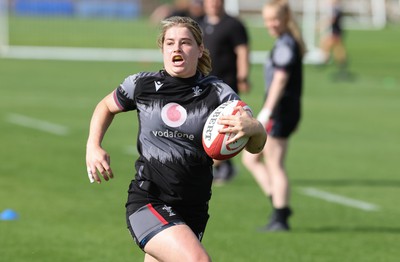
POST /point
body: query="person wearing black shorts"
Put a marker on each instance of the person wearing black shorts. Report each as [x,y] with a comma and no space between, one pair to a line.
[167,204]
[281,110]
[332,41]
[227,39]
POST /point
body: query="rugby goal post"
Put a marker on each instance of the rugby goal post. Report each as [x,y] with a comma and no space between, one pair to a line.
[3,26]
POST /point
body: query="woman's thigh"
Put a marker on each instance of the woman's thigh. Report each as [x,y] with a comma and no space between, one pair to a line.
[176,243]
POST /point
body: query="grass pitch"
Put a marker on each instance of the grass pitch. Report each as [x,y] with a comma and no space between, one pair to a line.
[347,145]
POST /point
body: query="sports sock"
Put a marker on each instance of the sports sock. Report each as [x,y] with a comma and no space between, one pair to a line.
[282,214]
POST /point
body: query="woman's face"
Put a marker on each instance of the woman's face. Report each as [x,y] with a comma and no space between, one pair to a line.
[274,21]
[180,52]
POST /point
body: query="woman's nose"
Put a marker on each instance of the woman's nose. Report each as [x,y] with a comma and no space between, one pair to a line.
[177,48]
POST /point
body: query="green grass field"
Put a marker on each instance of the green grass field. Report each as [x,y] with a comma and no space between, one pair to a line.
[348,144]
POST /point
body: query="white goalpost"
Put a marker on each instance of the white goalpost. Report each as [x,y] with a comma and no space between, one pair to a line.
[309,25]
[3,26]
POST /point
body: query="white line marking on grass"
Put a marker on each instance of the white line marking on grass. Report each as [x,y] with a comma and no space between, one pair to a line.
[117,54]
[98,54]
[84,54]
[339,199]
[37,124]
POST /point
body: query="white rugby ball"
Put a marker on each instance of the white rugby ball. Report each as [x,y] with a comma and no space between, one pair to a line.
[214,143]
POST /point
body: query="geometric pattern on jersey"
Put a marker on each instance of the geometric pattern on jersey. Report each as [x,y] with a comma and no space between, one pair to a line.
[171,113]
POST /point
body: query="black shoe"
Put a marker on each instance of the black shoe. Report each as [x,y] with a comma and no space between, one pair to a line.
[344,76]
[277,226]
[278,221]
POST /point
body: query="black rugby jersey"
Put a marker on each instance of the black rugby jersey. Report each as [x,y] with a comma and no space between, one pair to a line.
[172,112]
[286,55]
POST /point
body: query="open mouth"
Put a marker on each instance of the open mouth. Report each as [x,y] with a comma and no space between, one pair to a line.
[177,59]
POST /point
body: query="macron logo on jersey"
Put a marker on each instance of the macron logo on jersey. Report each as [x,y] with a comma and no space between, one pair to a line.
[158,85]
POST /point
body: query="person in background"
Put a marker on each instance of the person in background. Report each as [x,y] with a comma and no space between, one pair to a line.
[227,39]
[332,40]
[190,8]
[281,110]
[193,9]
[167,205]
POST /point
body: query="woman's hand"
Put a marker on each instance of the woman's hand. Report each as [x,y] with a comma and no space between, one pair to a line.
[98,161]
[242,125]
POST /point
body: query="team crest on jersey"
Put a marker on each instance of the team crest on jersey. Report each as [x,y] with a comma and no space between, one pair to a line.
[197,90]
[169,210]
[173,114]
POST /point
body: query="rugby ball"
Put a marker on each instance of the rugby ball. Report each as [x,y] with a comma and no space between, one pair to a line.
[214,143]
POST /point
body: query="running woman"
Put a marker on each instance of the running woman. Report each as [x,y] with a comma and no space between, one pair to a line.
[332,42]
[167,203]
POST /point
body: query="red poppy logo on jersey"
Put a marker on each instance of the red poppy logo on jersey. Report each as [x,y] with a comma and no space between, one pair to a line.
[173,114]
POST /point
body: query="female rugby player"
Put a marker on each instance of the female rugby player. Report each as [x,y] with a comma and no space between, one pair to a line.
[167,205]
[280,113]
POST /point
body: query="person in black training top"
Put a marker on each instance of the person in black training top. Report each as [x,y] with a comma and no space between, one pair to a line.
[167,205]
[281,110]
[226,38]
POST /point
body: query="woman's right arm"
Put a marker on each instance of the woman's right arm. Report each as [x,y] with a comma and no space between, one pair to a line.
[97,159]
[278,84]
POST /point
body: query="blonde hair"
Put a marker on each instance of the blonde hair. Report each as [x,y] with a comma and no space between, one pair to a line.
[204,62]
[283,8]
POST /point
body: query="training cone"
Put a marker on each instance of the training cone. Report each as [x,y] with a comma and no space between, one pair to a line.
[8,214]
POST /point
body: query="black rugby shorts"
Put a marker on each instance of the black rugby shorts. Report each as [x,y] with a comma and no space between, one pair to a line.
[146,216]
[281,128]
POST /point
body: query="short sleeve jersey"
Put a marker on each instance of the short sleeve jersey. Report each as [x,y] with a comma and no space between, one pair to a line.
[286,56]
[221,40]
[171,113]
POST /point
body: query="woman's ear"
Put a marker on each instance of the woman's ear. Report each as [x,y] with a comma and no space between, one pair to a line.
[201,47]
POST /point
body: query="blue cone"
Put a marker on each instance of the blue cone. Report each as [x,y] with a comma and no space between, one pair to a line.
[9,214]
